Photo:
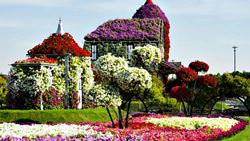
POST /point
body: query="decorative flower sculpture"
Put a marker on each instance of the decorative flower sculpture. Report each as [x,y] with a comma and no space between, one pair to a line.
[133,80]
[127,29]
[147,57]
[199,66]
[42,59]
[179,92]
[207,81]
[57,45]
[107,65]
[186,75]
[151,11]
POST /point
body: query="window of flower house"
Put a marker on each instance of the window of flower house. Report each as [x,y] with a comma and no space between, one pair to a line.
[93,52]
[130,47]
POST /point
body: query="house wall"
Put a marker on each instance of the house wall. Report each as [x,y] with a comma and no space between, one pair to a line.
[119,49]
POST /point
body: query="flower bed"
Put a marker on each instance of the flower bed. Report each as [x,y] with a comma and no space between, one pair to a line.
[147,127]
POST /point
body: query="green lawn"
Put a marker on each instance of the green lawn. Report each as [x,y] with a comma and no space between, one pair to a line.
[242,136]
[85,115]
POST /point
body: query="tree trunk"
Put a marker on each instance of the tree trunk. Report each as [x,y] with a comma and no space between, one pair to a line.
[210,111]
[126,125]
[206,103]
[184,107]
[245,104]
[110,116]
[120,117]
[145,106]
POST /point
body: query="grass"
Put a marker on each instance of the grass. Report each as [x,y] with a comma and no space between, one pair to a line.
[85,115]
[242,136]
[218,106]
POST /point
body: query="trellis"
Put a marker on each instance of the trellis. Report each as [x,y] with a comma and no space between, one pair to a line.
[66,61]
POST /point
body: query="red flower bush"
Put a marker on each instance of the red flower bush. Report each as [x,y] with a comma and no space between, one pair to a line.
[186,75]
[58,44]
[207,81]
[199,66]
[42,59]
[179,92]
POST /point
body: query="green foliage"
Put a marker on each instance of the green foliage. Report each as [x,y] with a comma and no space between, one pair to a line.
[234,85]
[156,93]
[220,105]
[85,115]
[3,89]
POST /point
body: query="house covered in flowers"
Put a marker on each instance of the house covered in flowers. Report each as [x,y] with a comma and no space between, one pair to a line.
[149,25]
[56,75]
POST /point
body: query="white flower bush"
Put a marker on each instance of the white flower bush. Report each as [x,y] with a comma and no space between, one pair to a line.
[106,66]
[133,80]
[34,82]
[40,130]
[192,123]
[105,96]
[87,75]
[147,57]
[58,78]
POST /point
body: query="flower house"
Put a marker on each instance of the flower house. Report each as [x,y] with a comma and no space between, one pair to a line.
[56,75]
[149,25]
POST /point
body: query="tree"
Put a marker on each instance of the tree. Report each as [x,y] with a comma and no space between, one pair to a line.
[189,87]
[235,86]
[147,57]
[118,81]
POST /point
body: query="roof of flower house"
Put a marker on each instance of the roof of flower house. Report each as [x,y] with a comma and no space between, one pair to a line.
[58,44]
[150,10]
[127,30]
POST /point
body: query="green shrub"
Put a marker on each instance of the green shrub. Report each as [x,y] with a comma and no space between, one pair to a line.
[57,116]
[156,93]
[3,90]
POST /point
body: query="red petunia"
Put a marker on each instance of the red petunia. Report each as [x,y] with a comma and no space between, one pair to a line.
[207,81]
[58,45]
[186,75]
[199,66]
[180,92]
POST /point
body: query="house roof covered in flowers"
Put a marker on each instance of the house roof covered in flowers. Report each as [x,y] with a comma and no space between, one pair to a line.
[150,10]
[127,30]
[58,44]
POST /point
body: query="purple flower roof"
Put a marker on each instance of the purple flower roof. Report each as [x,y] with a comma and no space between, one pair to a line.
[150,10]
[127,29]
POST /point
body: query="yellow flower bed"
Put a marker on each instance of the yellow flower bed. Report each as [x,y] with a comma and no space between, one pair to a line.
[191,123]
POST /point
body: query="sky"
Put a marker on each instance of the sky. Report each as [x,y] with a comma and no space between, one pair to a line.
[203,30]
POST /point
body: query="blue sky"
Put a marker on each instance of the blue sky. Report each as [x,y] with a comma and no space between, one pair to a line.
[200,29]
